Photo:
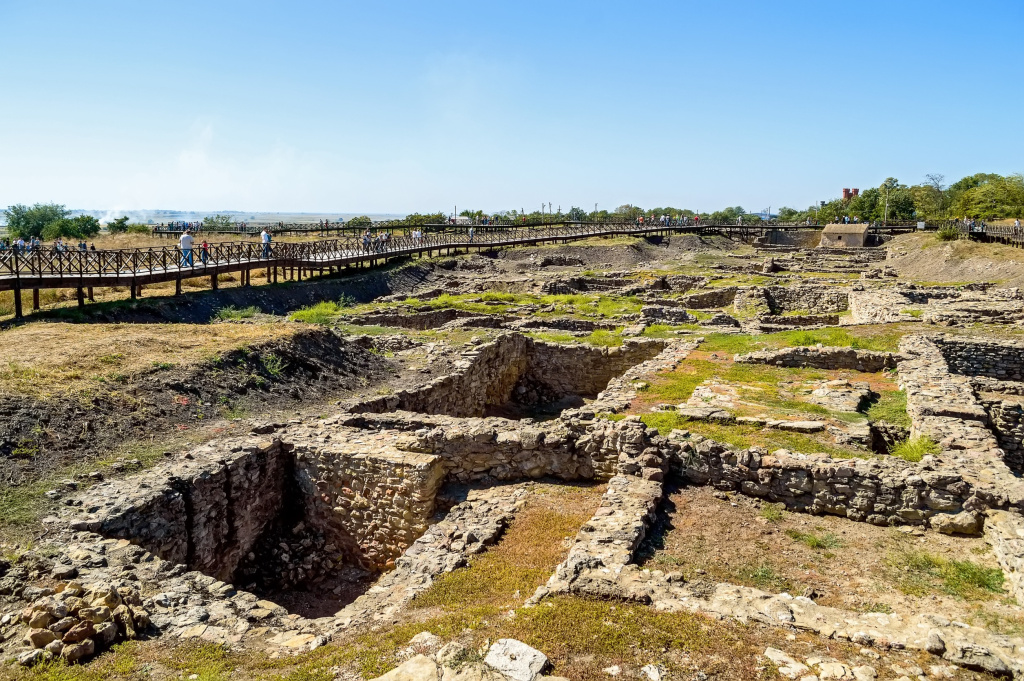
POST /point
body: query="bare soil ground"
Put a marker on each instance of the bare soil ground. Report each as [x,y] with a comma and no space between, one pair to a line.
[923,258]
[714,537]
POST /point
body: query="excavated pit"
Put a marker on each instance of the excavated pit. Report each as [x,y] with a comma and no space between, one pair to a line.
[515,376]
[310,518]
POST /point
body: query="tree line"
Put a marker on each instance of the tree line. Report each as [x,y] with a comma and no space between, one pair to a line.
[982,196]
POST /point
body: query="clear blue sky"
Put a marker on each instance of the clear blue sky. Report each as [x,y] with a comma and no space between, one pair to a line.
[404,106]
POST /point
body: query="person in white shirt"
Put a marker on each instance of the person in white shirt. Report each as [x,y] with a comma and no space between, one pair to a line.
[185,244]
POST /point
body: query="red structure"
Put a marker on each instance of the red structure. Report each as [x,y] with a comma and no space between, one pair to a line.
[850,193]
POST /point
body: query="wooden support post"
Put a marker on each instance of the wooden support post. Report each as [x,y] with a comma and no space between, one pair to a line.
[17,303]
[35,299]
[275,275]
[92,298]
[300,272]
[213,282]
[177,285]
[135,291]
[81,297]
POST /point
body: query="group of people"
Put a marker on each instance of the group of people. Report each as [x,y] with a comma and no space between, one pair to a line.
[667,220]
[20,245]
[182,225]
[376,243]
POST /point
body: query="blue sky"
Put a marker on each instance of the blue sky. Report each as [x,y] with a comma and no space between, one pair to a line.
[406,106]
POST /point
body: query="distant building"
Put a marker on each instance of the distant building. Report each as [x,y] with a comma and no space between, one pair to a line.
[844,236]
[850,193]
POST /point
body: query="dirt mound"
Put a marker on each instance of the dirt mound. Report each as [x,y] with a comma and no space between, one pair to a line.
[922,257]
[40,435]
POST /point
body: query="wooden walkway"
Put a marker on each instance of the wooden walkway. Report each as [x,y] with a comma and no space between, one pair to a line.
[45,268]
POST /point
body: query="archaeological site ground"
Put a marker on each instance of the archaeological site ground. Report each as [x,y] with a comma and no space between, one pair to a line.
[682,457]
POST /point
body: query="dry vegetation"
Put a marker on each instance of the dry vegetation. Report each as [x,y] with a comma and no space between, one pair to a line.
[45,359]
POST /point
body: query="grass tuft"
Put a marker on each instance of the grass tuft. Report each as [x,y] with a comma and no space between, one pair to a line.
[914,449]
[231,312]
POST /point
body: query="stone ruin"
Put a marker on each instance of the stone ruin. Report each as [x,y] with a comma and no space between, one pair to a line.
[365,507]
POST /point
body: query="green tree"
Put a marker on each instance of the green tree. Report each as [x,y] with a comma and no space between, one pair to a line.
[576,214]
[428,219]
[865,206]
[629,211]
[218,222]
[25,222]
[360,221]
[991,196]
[80,227]
[118,226]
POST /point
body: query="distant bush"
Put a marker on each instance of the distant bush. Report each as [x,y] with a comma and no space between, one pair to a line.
[139,229]
[948,233]
[118,226]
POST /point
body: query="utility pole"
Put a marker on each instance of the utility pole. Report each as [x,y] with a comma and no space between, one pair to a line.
[885,215]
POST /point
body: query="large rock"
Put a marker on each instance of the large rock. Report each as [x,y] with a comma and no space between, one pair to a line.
[79,632]
[39,638]
[419,668]
[78,651]
[965,522]
[516,660]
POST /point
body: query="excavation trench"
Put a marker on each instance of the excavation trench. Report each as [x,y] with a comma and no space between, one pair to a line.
[311,517]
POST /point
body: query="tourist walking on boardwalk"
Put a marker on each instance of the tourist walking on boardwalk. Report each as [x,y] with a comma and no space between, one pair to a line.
[471,232]
[185,244]
[366,241]
[204,252]
[265,240]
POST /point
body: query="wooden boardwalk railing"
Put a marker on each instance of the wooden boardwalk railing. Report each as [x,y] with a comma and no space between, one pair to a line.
[44,268]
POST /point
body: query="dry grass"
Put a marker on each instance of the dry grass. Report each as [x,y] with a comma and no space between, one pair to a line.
[45,359]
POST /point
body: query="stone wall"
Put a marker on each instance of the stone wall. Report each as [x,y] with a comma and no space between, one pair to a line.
[1005,532]
[372,504]
[878,491]
[975,357]
[711,298]
[813,298]
[800,320]
[661,314]
[823,358]
[206,512]
[1007,421]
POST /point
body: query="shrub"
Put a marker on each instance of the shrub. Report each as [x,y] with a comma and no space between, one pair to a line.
[118,226]
[948,233]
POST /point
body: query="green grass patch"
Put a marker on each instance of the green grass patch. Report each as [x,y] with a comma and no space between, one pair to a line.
[773,512]
[825,541]
[891,407]
[764,576]
[915,313]
[231,312]
[914,449]
[741,436]
[920,573]
[599,337]
[323,313]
